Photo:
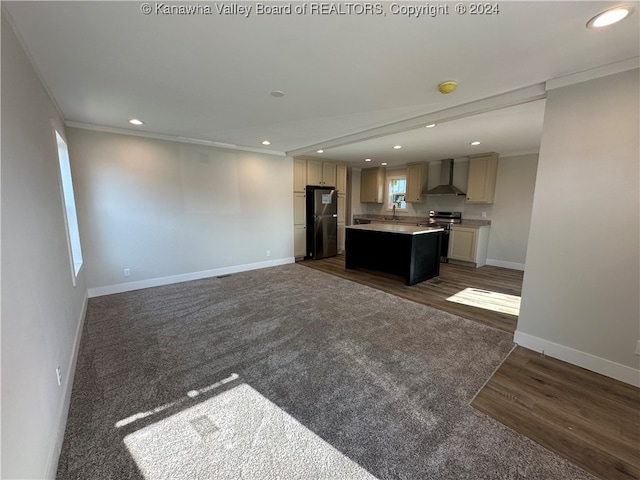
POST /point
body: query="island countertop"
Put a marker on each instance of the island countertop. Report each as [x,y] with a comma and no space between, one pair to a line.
[396,228]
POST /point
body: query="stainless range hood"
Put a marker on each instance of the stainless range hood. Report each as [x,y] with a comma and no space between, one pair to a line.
[446,186]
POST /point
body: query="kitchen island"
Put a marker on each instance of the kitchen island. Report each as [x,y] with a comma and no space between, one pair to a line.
[410,251]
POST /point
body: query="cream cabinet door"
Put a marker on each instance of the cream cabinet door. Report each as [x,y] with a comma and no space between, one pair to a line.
[314,172]
[299,175]
[416,182]
[300,226]
[469,244]
[371,185]
[299,209]
[342,207]
[481,183]
[462,243]
[341,230]
[328,174]
[299,240]
[341,178]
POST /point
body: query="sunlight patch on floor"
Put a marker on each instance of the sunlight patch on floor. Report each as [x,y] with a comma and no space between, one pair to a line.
[237,434]
[494,301]
[166,406]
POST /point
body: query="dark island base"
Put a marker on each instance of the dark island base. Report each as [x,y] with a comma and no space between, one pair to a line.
[415,257]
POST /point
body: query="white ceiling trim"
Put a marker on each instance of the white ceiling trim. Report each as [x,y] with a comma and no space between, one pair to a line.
[172,138]
[603,71]
[509,99]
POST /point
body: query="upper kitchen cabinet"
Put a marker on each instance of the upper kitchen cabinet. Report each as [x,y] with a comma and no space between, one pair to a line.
[417,175]
[321,173]
[372,185]
[329,174]
[299,174]
[481,183]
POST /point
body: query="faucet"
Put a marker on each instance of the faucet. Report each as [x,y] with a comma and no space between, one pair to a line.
[394,212]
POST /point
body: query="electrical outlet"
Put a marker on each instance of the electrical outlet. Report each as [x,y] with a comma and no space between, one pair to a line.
[268,253]
[127,272]
[484,214]
[59,376]
[637,352]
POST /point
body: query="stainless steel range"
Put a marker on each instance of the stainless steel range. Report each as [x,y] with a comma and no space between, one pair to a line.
[444,220]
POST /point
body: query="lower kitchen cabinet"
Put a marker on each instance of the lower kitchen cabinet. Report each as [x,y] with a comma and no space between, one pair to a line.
[299,241]
[299,225]
[342,210]
[469,244]
[299,209]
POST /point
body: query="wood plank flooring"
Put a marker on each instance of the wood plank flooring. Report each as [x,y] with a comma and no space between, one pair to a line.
[434,292]
[592,420]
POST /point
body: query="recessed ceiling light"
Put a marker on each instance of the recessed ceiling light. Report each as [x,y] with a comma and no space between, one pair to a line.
[384,164]
[475,143]
[135,121]
[277,93]
[266,142]
[320,151]
[367,159]
[397,147]
[609,17]
[431,125]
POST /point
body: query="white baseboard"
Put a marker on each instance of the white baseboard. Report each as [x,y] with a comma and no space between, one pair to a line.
[581,359]
[185,277]
[67,387]
[503,264]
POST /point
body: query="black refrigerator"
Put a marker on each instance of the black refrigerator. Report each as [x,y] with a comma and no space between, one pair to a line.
[322,222]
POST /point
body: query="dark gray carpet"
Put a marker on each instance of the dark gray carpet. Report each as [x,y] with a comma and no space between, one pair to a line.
[385,381]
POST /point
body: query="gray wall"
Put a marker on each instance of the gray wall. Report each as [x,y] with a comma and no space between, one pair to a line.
[582,277]
[42,313]
[511,211]
[173,211]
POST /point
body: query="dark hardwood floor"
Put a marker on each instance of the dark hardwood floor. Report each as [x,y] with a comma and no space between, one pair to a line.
[434,292]
[592,420]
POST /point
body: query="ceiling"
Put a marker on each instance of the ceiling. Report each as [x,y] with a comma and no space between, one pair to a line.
[354,84]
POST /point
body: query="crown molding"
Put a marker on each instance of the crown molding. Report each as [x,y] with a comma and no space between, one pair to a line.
[603,71]
[172,138]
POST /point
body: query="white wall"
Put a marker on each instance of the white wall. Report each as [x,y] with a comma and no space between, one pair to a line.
[42,313]
[511,211]
[171,211]
[582,277]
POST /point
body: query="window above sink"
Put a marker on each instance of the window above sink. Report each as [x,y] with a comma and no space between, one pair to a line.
[396,191]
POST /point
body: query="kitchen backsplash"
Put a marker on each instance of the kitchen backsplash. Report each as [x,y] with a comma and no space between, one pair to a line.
[454,204]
